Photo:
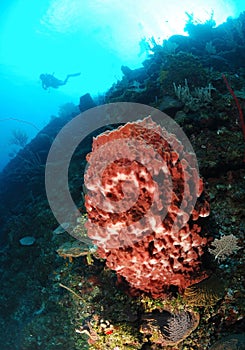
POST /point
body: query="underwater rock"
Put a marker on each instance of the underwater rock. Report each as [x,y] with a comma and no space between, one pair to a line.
[232,342]
[184,43]
[4,243]
[86,102]
[138,74]
[27,240]
[61,228]
[170,105]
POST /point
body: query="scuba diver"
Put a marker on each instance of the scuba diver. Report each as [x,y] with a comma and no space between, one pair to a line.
[48,80]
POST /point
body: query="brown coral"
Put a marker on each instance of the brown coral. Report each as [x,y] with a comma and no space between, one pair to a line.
[74,249]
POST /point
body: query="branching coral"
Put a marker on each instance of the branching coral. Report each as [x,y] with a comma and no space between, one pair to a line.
[224,246]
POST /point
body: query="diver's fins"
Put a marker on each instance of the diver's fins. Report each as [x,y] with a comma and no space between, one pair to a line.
[74,75]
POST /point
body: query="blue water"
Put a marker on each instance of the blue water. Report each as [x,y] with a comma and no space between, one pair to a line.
[67,36]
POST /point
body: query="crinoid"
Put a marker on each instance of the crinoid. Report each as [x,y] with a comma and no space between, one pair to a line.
[206,292]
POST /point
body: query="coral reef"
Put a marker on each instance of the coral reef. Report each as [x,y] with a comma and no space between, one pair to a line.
[94,312]
[144,244]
